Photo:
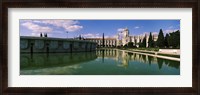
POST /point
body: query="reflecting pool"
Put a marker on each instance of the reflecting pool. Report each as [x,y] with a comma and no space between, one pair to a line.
[100,62]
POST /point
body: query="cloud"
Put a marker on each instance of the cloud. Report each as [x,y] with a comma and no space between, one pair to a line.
[120,29]
[68,25]
[154,33]
[114,36]
[73,28]
[36,28]
[171,27]
[170,30]
[35,34]
[107,37]
[89,35]
[148,33]
[36,21]
[136,27]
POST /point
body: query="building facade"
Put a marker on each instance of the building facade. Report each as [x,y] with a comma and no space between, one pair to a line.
[108,42]
[122,39]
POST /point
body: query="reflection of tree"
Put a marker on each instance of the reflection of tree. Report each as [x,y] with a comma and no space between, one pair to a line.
[160,62]
[143,58]
[31,60]
[103,55]
[130,55]
[149,58]
[139,57]
[174,64]
[166,62]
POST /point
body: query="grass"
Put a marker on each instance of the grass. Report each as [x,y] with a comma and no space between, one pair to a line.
[142,51]
[147,49]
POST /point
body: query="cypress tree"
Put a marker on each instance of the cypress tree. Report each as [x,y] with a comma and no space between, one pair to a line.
[144,41]
[160,41]
[135,42]
[171,40]
[167,40]
[140,43]
[150,43]
[40,34]
[177,39]
[103,40]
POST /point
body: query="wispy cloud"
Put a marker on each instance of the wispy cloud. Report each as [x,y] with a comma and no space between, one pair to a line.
[170,30]
[35,34]
[67,25]
[90,35]
[171,27]
[120,29]
[36,28]
[148,33]
[136,27]
[73,28]
[154,33]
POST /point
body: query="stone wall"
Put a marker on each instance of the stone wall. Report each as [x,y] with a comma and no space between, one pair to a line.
[54,45]
[170,51]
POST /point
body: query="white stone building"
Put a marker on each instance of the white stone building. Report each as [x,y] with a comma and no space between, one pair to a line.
[122,39]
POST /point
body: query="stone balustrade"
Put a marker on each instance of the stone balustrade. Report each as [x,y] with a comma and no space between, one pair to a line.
[55,45]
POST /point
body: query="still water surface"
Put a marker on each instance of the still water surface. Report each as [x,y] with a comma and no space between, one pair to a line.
[100,62]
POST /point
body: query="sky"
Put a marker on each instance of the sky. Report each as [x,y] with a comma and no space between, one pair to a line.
[63,28]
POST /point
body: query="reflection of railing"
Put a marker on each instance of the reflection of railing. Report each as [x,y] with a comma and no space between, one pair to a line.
[125,57]
[41,60]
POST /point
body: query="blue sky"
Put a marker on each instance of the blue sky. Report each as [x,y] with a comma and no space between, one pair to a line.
[94,28]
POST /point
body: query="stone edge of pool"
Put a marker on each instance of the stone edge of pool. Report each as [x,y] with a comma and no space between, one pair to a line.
[154,55]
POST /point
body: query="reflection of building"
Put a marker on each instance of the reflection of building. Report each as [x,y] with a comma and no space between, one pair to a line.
[54,45]
[122,39]
[123,57]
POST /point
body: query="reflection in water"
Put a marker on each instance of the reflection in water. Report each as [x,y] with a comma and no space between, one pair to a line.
[101,62]
[53,61]
[124,57]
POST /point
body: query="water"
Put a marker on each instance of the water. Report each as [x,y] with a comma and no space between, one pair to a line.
[100,62]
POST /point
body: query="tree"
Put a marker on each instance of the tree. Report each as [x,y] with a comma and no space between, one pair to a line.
[103,40]
[167,40]
[125,46]
[160,41]
[171,40]
[177,39]
[130,44]
[40,34]
[151,42]
[174,39]
[144,42]
[135,42]
[140,43]
[79,37]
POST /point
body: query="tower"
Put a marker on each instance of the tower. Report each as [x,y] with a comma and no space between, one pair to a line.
[125,38]
[126,32]
[118,40]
